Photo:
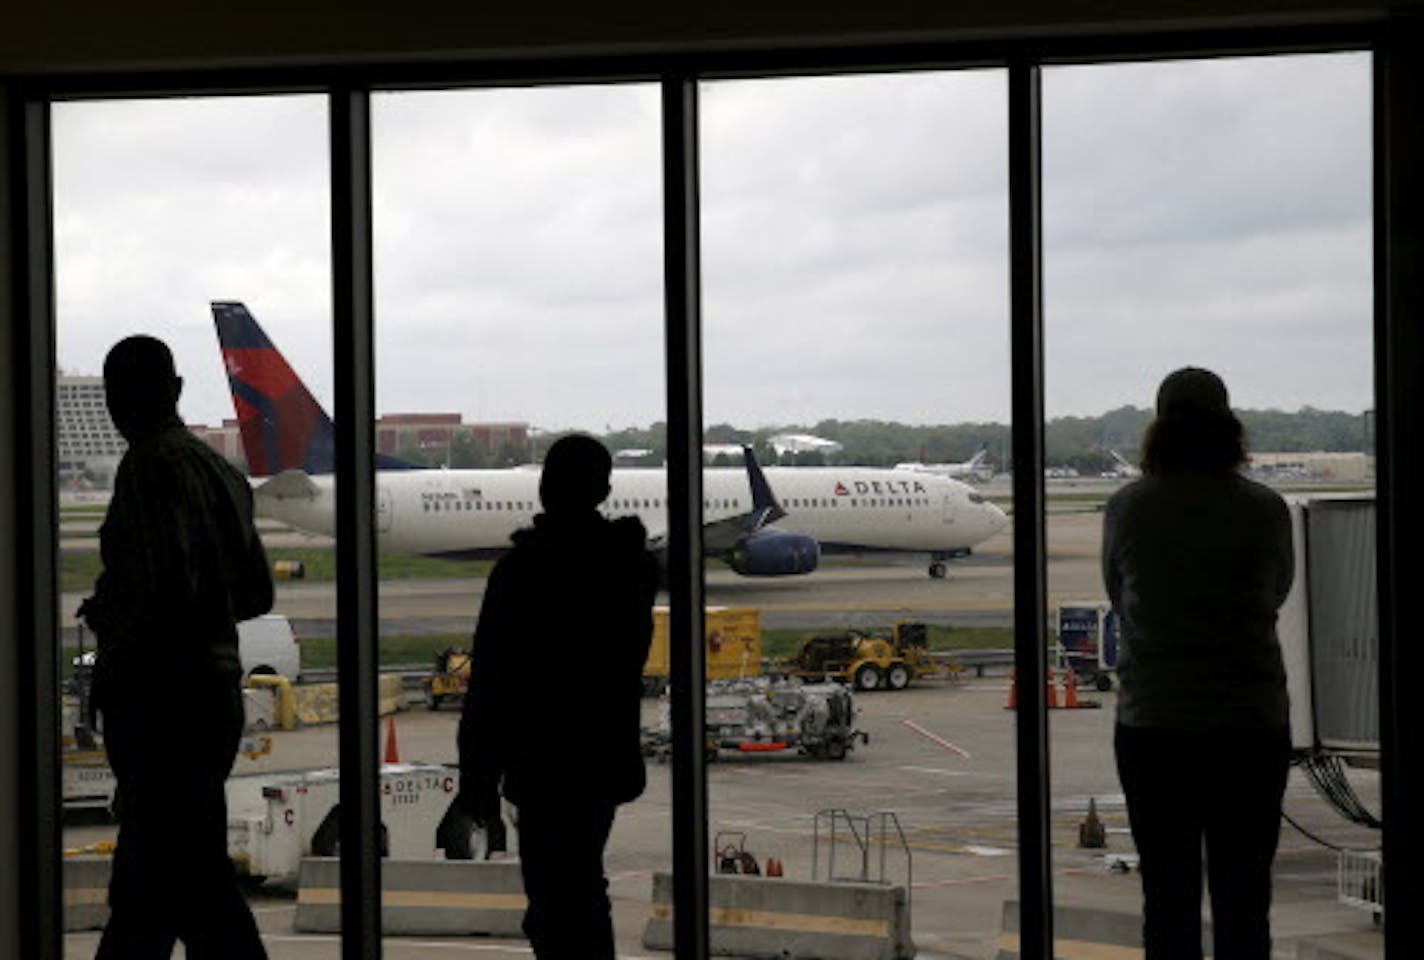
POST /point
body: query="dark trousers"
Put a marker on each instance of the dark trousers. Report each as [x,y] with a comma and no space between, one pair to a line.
[1224,790]
[171,742]
[561,855]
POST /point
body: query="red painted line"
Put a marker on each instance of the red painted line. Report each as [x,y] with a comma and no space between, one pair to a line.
[960,751]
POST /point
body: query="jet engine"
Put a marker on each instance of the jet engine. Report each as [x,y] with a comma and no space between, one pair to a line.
[775,553]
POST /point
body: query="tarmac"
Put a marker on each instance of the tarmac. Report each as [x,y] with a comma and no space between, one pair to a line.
[957,808]
[952,791]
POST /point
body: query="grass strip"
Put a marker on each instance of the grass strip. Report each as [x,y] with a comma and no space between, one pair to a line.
[786,643]
[79,568]
[319,653]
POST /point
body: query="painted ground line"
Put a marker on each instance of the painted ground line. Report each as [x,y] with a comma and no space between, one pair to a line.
[939,741]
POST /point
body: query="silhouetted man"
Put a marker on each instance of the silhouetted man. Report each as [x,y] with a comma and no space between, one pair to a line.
[182,564]
[552,714]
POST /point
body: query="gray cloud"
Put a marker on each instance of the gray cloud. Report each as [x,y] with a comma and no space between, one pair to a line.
[1212,212]
[854,230]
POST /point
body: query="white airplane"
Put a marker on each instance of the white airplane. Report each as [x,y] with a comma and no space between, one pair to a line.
[974,468]
[288,438]
[1122,468]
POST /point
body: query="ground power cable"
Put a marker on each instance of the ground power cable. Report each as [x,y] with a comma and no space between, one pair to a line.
[1327,775]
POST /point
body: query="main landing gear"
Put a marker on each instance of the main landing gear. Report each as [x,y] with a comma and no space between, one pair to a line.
[938,567]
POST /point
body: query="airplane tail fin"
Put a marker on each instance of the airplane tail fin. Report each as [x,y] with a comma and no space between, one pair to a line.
[282,425]
[978,458]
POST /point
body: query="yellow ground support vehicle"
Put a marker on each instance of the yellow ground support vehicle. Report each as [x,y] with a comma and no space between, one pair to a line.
[450,678]
[867,661]
[733,646]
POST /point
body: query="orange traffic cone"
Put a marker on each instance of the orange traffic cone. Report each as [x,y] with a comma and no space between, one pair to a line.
[773,867]
[1070,690]
[1052,690]
[1013,703]
[392,752]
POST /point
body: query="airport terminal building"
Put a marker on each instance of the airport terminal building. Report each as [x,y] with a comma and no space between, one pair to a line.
[89,446]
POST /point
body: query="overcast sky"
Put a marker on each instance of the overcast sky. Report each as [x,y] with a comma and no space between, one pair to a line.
[854,231]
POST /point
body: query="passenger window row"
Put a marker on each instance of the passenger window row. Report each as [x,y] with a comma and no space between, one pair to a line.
[465,506]
[447,506]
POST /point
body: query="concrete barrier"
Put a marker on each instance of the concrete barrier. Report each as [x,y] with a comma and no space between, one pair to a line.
[1082,933]
[317,702]
[86,892]
[427,898]
[787,919]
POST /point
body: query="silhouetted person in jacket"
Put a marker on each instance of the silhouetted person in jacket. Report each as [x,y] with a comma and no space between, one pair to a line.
[182,564]
[1197,559]
[551,718]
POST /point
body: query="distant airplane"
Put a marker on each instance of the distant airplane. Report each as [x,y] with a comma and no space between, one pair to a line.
[974,468]
[290,440]
[1122,468]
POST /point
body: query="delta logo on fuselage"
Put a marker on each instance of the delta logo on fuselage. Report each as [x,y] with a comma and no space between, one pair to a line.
[467,494]
[864,487]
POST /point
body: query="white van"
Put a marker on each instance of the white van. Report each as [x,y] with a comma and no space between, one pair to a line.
[267,645]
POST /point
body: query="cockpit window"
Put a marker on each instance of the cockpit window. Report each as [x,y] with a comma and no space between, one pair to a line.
[978,498]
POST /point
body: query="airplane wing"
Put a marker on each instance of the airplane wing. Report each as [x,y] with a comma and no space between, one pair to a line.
[724,534]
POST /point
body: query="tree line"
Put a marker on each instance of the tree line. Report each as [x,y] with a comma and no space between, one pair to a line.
[1080,443]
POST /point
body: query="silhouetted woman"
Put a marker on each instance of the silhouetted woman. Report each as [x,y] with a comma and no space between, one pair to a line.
[1197,559]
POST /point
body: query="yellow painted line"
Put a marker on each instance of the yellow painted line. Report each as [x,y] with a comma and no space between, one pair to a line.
[1080,949]
[86,896]
[791,922]
[324,896]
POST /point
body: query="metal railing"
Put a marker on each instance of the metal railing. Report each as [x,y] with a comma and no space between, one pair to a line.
[872,836]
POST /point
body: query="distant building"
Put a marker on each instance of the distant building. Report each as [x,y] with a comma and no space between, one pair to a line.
[433,434]
[89,446]
[226,440]
[1316,465]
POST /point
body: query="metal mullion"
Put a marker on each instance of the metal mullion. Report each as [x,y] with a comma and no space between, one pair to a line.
[36,541]
[1399,403]
[683,339]
[780,56]
[356,662]
[1030,557]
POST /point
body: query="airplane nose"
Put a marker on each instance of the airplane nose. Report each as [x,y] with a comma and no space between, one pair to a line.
[995,518]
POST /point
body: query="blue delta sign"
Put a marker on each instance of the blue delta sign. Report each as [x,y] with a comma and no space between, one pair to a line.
[1088,637]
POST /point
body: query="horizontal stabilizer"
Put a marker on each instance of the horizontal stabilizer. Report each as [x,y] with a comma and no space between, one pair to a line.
[288,485]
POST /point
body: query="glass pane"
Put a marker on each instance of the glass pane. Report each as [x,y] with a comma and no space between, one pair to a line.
[856,318]
[167,213]
[1214,214]
[519,297]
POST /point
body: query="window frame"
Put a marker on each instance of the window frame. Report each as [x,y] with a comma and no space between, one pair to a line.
[1399,235]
